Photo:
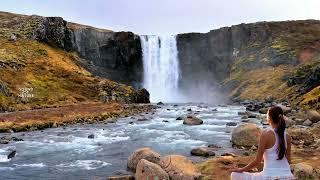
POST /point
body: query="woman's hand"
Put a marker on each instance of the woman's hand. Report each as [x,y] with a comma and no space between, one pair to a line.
[239,170]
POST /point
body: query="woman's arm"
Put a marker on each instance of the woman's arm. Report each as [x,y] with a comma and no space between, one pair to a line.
[258,159]
[288,150]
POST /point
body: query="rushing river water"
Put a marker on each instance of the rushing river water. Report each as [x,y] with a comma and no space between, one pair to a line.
[68,153]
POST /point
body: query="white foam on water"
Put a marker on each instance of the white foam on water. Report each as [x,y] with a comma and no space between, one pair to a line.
[78,144]
[35,165]
[83,164]
[6,168]
[4,158]
[176,138]
[4,155]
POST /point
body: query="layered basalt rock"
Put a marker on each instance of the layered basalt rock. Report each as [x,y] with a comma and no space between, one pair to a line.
[113,55]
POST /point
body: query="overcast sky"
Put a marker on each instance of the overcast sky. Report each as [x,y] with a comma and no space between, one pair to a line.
[166,16]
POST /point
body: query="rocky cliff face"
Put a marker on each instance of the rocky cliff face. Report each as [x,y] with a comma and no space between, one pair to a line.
[225,57]
[113,55]
[54,63]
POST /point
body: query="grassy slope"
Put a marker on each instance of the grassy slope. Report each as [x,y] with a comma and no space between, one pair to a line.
[57,80]
[291,41]
[53,74]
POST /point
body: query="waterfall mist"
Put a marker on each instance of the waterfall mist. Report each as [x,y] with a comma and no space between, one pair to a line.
[162,74]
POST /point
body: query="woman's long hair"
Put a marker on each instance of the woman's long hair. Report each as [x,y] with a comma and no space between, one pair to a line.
[276,115]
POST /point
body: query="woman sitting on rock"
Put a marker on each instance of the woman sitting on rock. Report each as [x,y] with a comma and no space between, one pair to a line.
[274,148]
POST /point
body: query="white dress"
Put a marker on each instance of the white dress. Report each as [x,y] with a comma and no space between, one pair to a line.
[272,168]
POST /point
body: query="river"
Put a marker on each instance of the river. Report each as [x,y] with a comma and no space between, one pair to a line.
[68,153]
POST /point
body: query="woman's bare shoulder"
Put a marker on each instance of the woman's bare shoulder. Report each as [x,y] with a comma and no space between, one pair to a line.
[267,133]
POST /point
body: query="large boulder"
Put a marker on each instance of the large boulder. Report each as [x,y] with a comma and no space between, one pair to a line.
[313,115]
[301,136]
[304,171]
[142,96]
[143,153]
[179,167]
[147,170]
[203,151]
[192,120]
[246,134]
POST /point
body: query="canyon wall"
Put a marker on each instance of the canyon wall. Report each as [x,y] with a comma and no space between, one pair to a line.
[113,55]
[246,61]
[221,59]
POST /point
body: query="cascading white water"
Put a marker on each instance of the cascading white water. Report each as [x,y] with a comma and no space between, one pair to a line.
[161,67]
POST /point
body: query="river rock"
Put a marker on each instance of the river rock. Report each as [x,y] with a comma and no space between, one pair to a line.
[302,171]
[245,120]
[189,109]
[12,138]
[301,136]
[147,170]
[228,154]
[246,134]
[314,116]
[179,118]
[253,107]
[179,167]
[160,103]
[12,154]
[213,146]
[166,121]
[91,136]
[231,124]
[203,151]
[242,113]
[192,120]
[143,153]
[244,117]
[299,121]
[263,110]
[142,119]
[307,123]
[252,116]
[4,141]
[316,125]
[247,114]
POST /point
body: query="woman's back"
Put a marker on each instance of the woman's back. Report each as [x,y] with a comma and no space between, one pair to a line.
[274,148]
[273,166]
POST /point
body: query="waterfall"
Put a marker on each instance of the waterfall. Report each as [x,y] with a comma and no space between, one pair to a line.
[161,67]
